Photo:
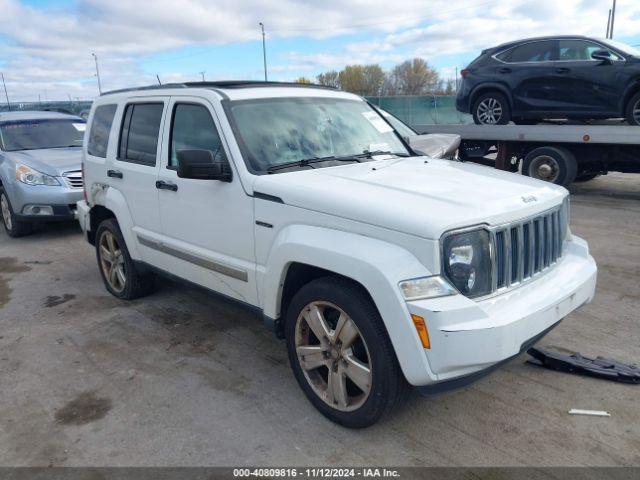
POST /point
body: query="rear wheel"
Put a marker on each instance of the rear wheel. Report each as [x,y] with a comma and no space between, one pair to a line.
[491,108]
[14,227]
[119,272]
[341,354]
[632,112]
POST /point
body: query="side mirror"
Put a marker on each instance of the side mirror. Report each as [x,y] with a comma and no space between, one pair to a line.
[603,56]
[201,165]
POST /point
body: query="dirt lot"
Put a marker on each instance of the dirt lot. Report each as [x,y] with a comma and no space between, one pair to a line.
[179,378]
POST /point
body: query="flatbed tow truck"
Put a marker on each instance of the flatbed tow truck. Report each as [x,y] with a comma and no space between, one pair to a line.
[558,153]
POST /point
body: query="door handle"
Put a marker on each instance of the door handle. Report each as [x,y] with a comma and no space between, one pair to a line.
[563,70]
[162,185]
[114,174]
[504,70]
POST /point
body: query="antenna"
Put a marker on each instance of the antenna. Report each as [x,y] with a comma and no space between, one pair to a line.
[158,77]
[5,92]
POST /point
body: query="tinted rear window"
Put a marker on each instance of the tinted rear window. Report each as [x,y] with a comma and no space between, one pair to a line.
[140,129]
[100,129]
[530,52]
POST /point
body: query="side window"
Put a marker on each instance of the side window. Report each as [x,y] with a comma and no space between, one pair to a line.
[100,129]
[192,128]
[139,135]
[531,52]
[581,50]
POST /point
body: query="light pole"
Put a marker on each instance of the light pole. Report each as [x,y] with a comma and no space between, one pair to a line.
[95,57]
[264,51]
[202,74]
[5,92]
[613,17]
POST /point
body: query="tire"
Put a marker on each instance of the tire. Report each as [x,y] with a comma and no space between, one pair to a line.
[585,177]
[119,273]
[632,112]
[367,346]
[552,164]
[15,228]
[491,108]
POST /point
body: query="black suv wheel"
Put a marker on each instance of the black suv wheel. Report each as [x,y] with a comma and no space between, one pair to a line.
[341,354]
[491,108]
[633,110]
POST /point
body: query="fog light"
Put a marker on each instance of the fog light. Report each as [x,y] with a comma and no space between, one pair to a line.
[39,210]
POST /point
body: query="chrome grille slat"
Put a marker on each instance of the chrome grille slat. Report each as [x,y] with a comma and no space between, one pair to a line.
[523,249]
[74,179]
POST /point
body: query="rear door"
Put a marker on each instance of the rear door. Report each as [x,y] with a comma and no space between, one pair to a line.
[207,225]
[135,169]
[528,69]
[584,84]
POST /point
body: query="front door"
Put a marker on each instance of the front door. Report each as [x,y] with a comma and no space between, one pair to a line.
[207,225]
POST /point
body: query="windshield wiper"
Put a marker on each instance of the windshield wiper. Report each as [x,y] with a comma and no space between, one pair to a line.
[307,162]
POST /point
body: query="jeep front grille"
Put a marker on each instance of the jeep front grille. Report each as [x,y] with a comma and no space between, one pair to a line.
[73,179]
[526,248]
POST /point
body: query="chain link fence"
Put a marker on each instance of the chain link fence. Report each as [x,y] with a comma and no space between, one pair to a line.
[80,108]
[421,110]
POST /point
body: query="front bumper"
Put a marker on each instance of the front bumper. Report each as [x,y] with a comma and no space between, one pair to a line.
[61,199]
[469,338]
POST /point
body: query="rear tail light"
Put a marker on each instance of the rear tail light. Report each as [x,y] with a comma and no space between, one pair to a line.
[464,72]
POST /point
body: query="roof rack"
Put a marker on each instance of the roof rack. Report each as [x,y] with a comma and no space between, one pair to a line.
[221,84]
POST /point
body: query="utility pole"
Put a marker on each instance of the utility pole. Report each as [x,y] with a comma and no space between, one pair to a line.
[95,57]
[202,74]
[264,51]
[608,24]
[5,92]
[613,18]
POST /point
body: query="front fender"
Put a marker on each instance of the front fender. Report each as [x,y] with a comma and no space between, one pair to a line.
[377,265]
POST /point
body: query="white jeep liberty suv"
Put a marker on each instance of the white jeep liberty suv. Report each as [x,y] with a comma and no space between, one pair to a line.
[379,267]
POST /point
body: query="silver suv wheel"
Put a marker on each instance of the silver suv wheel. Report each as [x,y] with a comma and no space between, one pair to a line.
[333,356]
[6,212]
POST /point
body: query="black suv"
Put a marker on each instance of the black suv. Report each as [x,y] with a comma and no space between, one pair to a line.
[552,77]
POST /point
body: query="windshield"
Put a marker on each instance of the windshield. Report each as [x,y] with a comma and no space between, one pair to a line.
[38,134]
[623,47]
[277,131]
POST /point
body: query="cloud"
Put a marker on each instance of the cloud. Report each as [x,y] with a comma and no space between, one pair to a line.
[49,48]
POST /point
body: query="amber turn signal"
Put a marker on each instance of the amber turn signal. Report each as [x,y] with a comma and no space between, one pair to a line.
[421,328]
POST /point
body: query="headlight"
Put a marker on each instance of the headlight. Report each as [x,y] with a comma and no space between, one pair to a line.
[426,287]
[467,262]
[30,176]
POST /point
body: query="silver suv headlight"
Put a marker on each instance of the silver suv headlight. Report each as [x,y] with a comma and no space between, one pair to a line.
[466,258]
[28,175]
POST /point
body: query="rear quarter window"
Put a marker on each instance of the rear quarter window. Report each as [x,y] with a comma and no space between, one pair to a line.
[100,129]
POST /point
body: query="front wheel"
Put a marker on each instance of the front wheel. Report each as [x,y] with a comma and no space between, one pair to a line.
[14,227]
[491,108]
[341,354]
[632,112]
[551,164]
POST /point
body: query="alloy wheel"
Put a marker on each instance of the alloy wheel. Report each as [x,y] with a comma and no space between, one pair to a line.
[112,261]
[636,112]
[489,111]
[333,356]
[544,168]
[6,212]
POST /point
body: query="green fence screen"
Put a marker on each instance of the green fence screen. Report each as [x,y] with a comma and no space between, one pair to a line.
[423,109]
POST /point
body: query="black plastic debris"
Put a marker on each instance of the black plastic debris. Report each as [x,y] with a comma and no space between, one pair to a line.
[596,367]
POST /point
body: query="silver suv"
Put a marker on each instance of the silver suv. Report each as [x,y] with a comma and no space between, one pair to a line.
[40,168]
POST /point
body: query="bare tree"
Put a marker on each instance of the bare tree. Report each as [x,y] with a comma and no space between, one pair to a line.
[330,79]
[414,77]
[374,78]
[302,80]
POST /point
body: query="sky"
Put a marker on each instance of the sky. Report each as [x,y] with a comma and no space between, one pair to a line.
[46,46]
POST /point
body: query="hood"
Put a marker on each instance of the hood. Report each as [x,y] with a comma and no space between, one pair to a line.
[52,161]
[417,195]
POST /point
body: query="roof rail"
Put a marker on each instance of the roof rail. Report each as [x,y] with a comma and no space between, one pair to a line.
[221,84]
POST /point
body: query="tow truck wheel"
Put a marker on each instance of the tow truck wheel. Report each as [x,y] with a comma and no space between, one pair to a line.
[551,164]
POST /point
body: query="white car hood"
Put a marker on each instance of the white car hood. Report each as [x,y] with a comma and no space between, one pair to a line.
[418,195]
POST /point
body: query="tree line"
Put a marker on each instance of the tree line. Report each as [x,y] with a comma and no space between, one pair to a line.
[412,77]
